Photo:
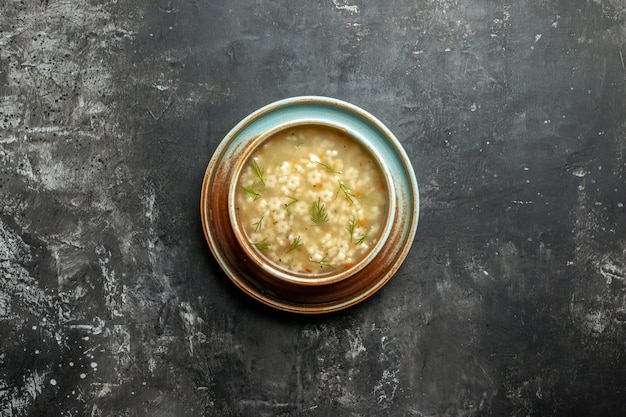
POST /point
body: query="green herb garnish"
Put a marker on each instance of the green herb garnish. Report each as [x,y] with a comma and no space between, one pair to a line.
[258,224]
[261,245]
[322,262]
[361,238]
[346,192]
[319,215]
[259,172]
[351,227]
[252,193]
[295,243]
[328,167]
[292,200]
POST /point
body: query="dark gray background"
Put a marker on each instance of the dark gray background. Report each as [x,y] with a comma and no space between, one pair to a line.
[512,301]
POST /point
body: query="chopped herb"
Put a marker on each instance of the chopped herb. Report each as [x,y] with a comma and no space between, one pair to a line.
[322,262]
[346,192]
[328,167]
[362,238]
[262,245]
[319,215]
[295,243]
[292,201]
[254,191]
[351,227]
[251,192]
[258,224]
[259,172]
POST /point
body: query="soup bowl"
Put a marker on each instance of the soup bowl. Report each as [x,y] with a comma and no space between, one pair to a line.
[309,205]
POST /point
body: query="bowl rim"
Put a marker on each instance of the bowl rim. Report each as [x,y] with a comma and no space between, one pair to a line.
[297,298]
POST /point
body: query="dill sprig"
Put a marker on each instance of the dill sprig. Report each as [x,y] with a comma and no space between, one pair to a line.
[351,227]
[259,172]
[292,200]
[328,167]
[319,215]
[261,245]
[346,192]
[251,192]
[322,262]
[295,243]
[254,191]
[257,225]
[362,238]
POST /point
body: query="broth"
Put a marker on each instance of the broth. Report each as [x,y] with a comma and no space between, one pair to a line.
[311,199]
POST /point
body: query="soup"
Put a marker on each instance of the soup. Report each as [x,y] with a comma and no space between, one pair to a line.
[311,199]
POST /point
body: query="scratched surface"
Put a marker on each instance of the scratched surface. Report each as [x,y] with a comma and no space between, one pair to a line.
[512,301]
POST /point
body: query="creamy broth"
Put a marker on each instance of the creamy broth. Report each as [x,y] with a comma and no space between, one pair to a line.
[311,199]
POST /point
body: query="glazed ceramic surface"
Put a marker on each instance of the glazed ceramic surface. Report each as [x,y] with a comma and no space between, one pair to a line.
[277,288]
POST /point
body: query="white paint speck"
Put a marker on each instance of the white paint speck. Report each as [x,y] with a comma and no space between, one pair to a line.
[53,381]
[356,344]
[112,300]
[385,389]
[473,107]
[596,321]
[537,37]
[343,5]
[612,271]
[94,364]
[83,376]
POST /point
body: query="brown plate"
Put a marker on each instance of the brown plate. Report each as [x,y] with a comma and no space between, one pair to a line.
[278,287]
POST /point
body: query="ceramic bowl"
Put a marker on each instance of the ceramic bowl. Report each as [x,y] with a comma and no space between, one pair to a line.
[276,285]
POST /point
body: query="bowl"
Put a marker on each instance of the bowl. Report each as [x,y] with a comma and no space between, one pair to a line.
[309,205]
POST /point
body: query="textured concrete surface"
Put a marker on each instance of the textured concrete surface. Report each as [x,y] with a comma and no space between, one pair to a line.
[512,301]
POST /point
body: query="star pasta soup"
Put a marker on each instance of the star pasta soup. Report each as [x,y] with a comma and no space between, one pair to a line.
[311,199]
